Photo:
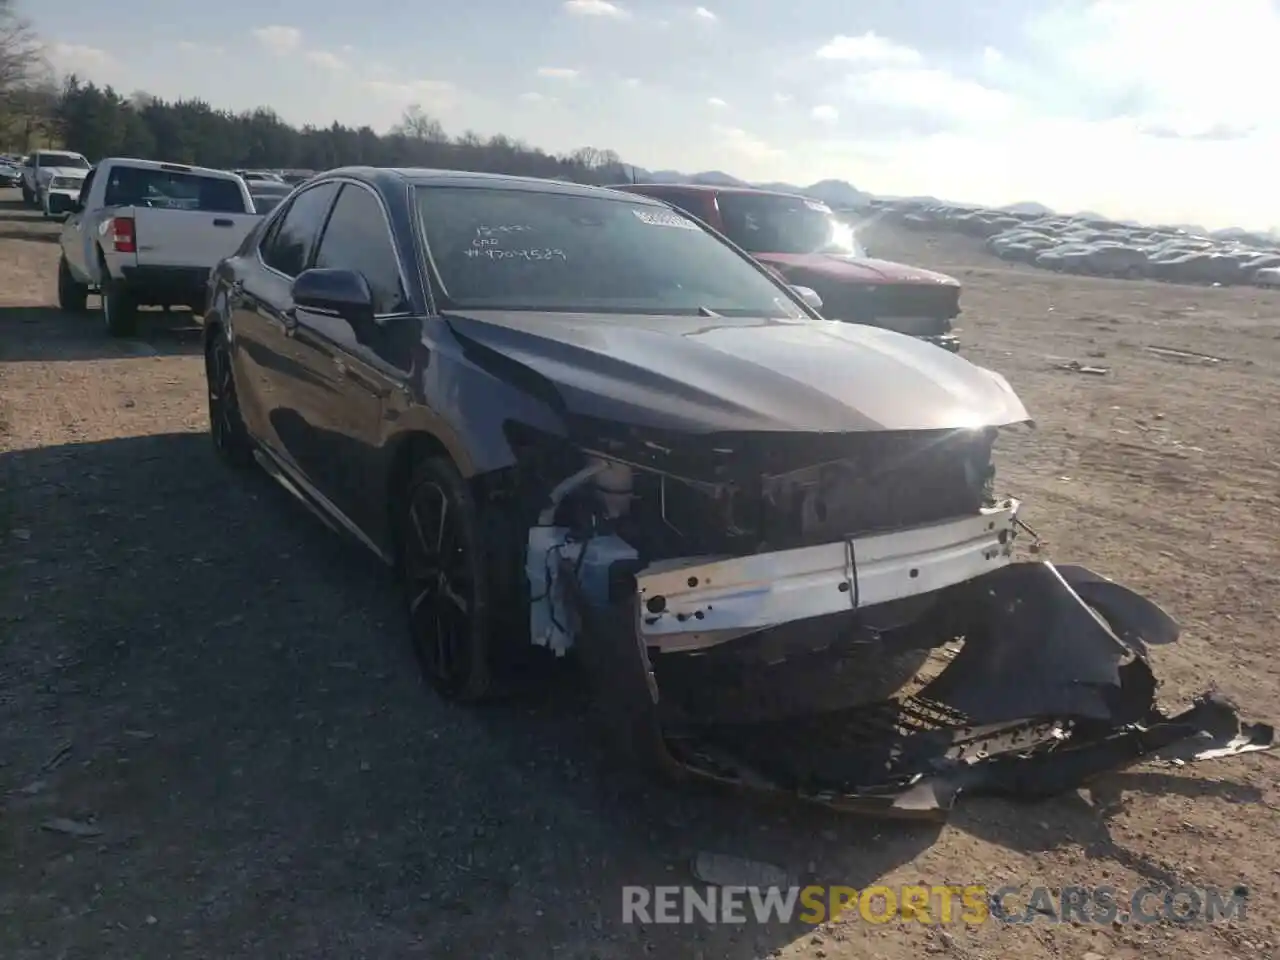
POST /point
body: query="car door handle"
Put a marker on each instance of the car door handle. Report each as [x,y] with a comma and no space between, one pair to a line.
[223,222]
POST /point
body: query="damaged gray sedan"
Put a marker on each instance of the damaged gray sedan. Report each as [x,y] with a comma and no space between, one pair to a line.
[577,422]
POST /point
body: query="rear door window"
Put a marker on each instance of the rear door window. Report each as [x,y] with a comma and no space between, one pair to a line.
[172,190]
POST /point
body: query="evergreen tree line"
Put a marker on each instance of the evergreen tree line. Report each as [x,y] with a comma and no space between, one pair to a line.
[100,122]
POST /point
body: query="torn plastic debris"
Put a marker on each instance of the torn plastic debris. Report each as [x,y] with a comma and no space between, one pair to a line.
[1050,689]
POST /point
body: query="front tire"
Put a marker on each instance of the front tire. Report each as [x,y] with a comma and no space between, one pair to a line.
[231,441]
[449,589]
[119,309]
[72,295]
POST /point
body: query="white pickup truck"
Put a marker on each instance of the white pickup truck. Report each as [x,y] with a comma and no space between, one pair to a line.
[43,168]
[145,233]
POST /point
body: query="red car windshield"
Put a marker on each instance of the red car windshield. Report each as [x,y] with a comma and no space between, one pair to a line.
[771,223]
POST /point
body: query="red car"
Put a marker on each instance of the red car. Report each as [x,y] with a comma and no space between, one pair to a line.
[807,245]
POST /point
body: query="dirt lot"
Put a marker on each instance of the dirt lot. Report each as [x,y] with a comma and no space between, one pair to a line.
[193,666]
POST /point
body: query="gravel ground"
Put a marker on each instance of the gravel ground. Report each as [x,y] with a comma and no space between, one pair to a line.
[194,671]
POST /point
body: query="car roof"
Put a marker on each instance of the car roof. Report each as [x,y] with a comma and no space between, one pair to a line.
[389,177]
[711,188]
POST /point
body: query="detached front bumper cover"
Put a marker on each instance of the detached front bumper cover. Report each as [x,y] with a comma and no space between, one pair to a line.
[1051,688]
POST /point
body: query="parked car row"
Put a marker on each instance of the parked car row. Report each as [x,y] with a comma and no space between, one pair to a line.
[11,170]
[798,239]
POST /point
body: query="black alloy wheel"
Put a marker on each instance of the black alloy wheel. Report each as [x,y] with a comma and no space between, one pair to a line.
[226,426]
[444,567]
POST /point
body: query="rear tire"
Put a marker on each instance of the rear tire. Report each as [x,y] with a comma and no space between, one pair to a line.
[119,309]
[72,295]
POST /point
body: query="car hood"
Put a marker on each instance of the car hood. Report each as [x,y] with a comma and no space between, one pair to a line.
[840,267]
[703,375]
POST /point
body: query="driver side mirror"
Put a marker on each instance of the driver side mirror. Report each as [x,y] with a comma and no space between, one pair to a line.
[809,296]
[341,293]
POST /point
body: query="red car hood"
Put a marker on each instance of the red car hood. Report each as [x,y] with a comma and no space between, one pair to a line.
[862,270]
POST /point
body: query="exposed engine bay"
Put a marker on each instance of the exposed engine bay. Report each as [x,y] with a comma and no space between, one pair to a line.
[759,623]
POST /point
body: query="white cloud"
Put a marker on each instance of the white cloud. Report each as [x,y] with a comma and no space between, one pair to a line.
[702,13]
[870,48]
[825,113]
[596,8]
[279,40]
[186,46]
[930,91]
[782,99]
[326,59]
[1179,64]
[558,73]
[716,102]
[532,96]
[632,83]
[437,96]
[745,145]
[79,58]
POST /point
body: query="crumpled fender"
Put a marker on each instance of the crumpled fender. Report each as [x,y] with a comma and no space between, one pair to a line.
[1051,688]
[1133,618]
[1046,641]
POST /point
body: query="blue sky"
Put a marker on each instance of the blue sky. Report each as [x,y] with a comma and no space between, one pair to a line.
[1153,109]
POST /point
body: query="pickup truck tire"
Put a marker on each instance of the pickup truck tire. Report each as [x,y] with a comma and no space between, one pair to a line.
[119,309]
[72,296]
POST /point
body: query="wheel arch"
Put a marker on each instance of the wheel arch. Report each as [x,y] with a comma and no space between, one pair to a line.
[104,269]
[404,450]
[212,327]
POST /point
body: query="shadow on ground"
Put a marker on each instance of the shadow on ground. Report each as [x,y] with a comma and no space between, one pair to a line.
[198,668]
[49,334]
[18,213]
[18,233]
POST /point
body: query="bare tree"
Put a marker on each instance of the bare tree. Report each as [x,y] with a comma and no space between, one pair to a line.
[588,157]
[21,55]
[27,91]
[417,125]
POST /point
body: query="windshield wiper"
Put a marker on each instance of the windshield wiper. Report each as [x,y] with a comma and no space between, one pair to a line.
[708,312]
